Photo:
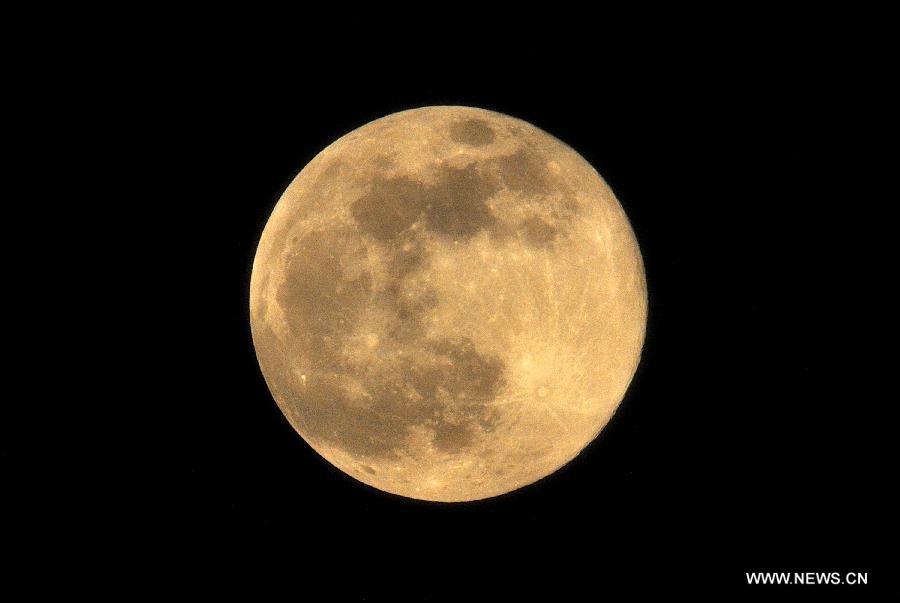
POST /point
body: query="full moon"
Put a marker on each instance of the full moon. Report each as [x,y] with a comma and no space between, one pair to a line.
[448,303]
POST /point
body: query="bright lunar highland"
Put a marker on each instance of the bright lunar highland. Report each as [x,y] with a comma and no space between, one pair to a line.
[448,303]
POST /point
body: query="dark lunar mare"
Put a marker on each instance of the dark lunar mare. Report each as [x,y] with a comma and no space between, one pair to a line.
[473,132]
[444,384]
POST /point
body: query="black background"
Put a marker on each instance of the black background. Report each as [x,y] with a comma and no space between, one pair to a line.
[748,441]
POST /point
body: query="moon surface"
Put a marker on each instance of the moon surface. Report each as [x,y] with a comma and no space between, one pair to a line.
[448,303]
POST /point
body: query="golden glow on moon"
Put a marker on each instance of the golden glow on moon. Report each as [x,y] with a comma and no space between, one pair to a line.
[448,303]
